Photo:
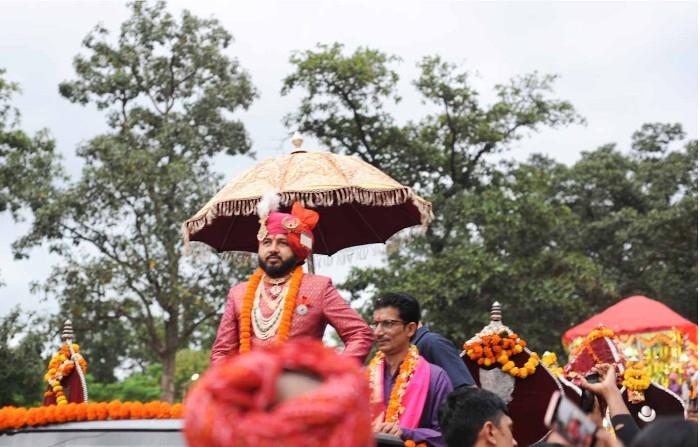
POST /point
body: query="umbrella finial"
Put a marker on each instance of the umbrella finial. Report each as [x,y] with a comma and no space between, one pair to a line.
[67,333]
[297,140]
[496,311]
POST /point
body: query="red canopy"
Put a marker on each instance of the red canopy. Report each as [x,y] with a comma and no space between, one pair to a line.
[634,315]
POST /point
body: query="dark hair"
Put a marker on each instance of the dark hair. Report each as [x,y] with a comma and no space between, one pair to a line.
[668,432]
[464,413]
[408,307]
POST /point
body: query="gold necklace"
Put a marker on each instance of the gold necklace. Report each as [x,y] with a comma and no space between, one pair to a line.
[276,284]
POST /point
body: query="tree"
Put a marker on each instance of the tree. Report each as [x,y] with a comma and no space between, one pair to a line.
[170,94]
[638,214]
[443,155]
[21,344]
[28,165]
[538,236]
[556,244]
[28,168]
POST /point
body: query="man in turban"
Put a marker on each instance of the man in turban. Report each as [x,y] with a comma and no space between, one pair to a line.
[280,301]
[296,394]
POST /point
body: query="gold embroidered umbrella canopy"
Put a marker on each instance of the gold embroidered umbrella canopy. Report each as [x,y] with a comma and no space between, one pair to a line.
[358,203]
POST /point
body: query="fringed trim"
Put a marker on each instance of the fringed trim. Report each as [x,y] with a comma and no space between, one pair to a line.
[312,199]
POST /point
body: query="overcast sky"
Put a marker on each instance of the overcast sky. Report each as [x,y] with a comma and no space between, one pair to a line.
[621,65]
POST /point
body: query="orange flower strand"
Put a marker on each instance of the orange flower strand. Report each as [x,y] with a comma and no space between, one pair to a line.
[487,350]
[19,417]
[61,365]
[287,313]
[247,309]
[407,368]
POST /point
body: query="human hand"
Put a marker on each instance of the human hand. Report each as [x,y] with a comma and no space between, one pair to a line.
[389,428]
[607,384]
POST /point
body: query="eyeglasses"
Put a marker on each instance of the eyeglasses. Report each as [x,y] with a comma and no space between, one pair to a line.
[386,325]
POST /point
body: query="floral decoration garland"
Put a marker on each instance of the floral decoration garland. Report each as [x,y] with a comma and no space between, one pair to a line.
[594,335]
[247,308]
[599,333]
[636,377]
[60,366]
[491,349]
[549,360]
[19,417]
[412,443]
[406,370]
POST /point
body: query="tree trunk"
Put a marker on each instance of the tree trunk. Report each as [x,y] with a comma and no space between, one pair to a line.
[167,380]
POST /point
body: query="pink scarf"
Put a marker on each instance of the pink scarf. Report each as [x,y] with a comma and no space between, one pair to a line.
[413,400]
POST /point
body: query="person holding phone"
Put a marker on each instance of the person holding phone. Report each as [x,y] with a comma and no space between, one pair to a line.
[605,389]
[572,427]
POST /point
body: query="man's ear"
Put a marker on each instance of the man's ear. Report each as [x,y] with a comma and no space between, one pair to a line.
[412,328]
[488,433]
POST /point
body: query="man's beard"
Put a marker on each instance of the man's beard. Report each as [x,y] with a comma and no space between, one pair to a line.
[279,270]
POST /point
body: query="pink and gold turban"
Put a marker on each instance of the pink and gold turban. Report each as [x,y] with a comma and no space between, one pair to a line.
[297,226]
[235,402]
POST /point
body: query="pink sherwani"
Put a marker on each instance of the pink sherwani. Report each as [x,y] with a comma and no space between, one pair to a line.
[325,306]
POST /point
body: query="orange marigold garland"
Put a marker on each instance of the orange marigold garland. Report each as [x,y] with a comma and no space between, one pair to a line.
[287,314]
[247,309]
[19,417]
[497,348]
[406,370]
[60,366]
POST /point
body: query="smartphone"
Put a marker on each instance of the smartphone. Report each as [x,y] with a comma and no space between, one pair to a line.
[588,398]
[567,419]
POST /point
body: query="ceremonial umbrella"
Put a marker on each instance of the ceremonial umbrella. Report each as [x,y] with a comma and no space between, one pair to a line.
[634,315]
[358,204]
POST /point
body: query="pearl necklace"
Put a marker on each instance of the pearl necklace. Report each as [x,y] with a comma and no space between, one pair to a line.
[266,327]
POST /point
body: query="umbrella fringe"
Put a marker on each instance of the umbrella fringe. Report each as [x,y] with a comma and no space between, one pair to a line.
[311,199]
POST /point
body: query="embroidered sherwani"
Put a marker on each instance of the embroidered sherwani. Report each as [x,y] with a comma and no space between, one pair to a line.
[325,306]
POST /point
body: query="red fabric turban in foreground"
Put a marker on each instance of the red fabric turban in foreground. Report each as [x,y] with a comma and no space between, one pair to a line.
[235,402]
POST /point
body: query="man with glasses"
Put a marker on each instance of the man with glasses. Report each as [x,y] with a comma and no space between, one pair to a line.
[439,351]
[406,390]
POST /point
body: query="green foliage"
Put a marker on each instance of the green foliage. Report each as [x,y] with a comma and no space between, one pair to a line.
[22,371]
[145,386]
[170,93]
[552,243]
[444,153]
[190,365]
[28,165]
[142,387]
[638,215]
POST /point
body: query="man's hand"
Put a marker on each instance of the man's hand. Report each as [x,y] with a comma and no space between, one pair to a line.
[388,428]
[607,389]
[608,384]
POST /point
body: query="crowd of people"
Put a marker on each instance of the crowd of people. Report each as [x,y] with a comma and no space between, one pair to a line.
[273,383]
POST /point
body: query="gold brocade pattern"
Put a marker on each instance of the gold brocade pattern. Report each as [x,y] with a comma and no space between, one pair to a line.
[313,178]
